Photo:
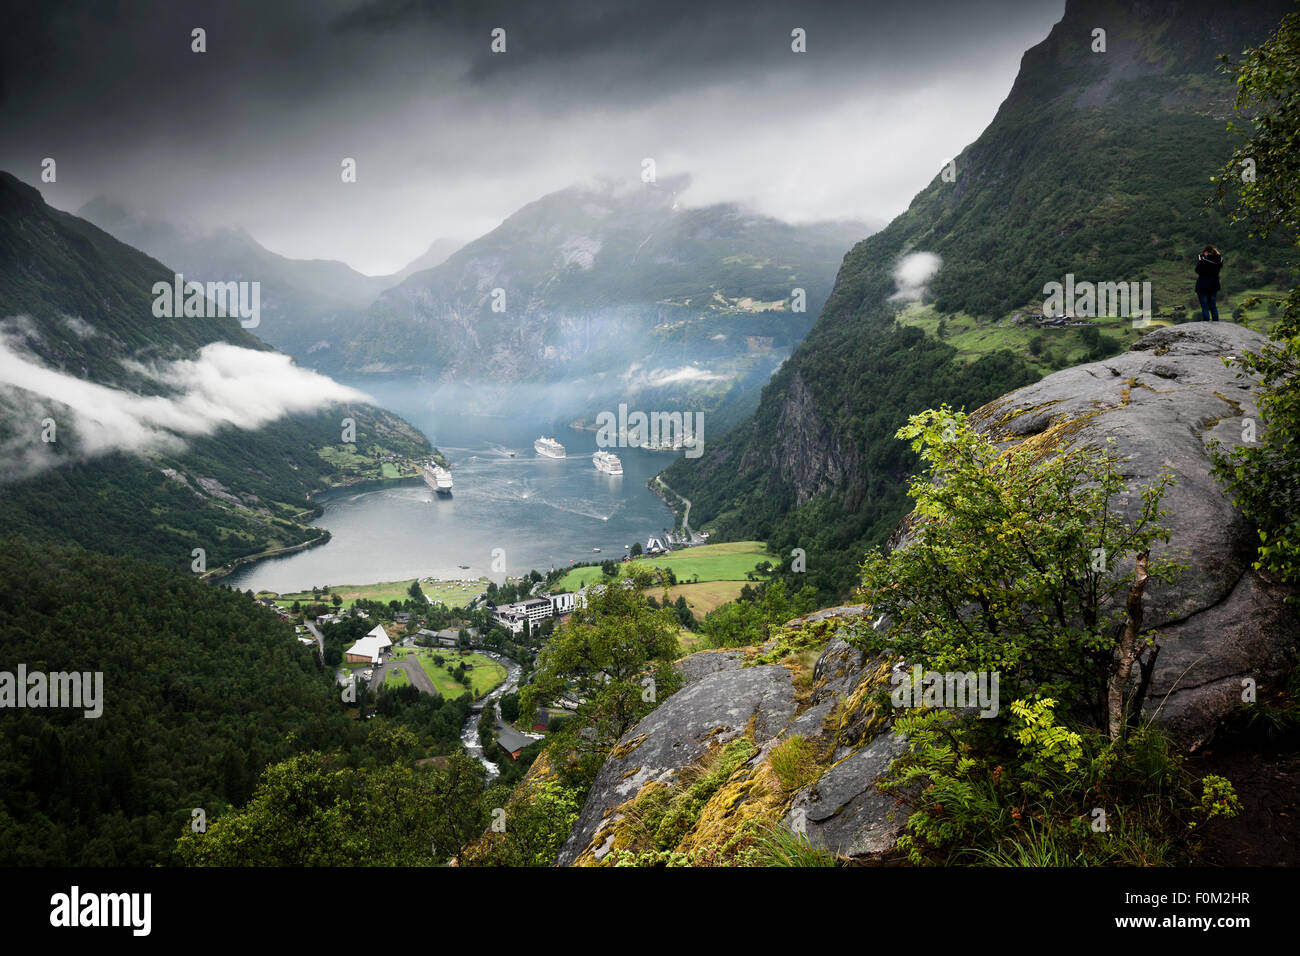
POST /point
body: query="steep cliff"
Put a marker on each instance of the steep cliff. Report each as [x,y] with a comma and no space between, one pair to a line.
[1098,165]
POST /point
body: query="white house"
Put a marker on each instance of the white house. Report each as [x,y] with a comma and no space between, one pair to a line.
[370,648]
[509,618]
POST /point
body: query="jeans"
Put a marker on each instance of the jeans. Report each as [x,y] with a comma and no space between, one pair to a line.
[1209,308]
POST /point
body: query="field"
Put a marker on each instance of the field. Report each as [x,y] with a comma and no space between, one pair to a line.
[703,597]
[485,675]
[451,593]
[709,562]
[690,643]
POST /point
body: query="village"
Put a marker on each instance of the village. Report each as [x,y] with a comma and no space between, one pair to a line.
[452,638]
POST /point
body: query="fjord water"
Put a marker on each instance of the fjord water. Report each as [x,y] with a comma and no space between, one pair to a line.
[542,512]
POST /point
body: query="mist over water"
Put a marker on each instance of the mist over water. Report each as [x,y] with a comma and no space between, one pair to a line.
[542,512]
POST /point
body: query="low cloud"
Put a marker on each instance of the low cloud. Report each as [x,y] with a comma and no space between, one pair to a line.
[638,378]
[912,275]
[225,385]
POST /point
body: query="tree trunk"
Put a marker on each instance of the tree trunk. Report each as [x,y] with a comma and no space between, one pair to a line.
[1128,643]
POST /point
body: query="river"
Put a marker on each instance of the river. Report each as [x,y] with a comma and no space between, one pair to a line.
[514,511]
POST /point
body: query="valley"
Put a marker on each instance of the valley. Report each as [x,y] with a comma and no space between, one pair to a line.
[707,502]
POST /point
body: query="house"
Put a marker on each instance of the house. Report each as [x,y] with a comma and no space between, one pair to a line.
[512,622]
[370,648]
[402,617]
[512,742]
[448,637]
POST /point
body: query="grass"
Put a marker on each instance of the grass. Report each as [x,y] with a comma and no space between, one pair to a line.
[974,338]
[703,597]
[395,679]
[1061,348]
[384,592]
[451,593]
[710,562]
[780,847]
[485,675]
[795,763]
[690,642]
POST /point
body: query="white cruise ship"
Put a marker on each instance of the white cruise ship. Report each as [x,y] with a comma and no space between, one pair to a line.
[437,478]
[608,463]
[548,448]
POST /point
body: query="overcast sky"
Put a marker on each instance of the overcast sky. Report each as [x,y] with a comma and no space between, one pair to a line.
[450,138]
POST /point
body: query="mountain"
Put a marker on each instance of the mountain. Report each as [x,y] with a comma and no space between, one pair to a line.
[610,292]
[302,299]
[305,302]
[439,252]
[135,434]
[1096,165]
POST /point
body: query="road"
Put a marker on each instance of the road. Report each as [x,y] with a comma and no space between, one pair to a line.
[686,515]
[320,638]
[414,673]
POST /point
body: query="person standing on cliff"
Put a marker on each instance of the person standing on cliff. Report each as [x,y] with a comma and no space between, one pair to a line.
[1208,264]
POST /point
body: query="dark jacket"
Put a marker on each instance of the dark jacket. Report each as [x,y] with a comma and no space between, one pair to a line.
[1207,273]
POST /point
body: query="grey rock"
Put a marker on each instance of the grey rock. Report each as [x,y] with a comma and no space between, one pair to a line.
[702,663]
[716,708]
[1161,403]
[844,812]
[809,723]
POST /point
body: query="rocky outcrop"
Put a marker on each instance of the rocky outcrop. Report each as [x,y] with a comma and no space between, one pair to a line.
[811,460]
[737,694]
[1163,404]
[710,711]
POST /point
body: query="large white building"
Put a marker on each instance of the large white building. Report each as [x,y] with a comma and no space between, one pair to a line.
[534,611]
[370,648]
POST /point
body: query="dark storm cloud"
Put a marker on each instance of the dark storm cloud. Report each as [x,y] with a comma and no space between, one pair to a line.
[450,138]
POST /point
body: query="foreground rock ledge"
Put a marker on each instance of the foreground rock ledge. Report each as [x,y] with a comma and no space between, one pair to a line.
[1162,402]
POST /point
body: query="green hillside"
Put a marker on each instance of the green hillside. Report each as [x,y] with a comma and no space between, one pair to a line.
[201,688]
[1097,164]
[75,300]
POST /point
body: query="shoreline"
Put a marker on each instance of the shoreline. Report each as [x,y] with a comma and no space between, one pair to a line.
[228,569]
[314,512]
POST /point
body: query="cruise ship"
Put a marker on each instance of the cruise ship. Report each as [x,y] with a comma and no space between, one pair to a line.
[607,462]
[549,448]
[438,478]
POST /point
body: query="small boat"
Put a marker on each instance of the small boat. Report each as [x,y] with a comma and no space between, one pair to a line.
[597,550]
[463,567]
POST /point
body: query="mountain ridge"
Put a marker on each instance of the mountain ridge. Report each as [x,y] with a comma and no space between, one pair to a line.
[1054,184]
